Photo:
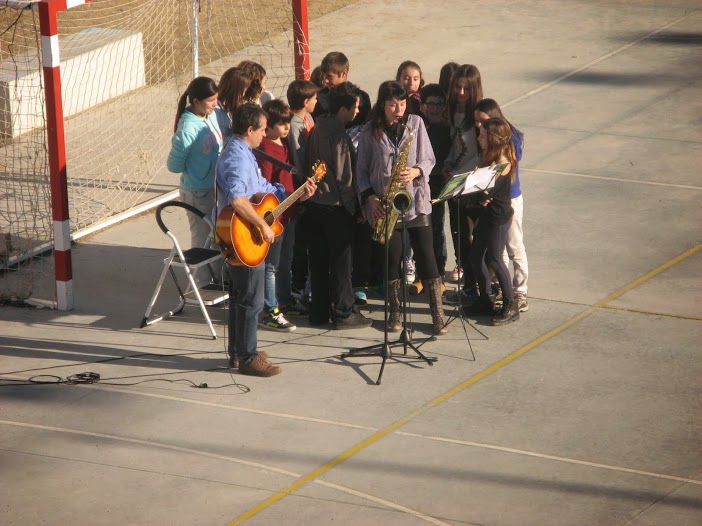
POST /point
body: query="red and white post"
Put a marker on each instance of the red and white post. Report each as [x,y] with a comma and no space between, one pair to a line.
[301,40]
[63,271]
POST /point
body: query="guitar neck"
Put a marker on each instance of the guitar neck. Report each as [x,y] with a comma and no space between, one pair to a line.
[289,201]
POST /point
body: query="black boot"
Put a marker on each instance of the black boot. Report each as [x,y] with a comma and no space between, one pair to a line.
[509,313]
[483,306]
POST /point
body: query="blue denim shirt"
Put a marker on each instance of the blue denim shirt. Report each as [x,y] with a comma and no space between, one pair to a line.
[238,175]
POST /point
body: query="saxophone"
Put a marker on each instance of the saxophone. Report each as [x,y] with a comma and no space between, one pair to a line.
[395,194]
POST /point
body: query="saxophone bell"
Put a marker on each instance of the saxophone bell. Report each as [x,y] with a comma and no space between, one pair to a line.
[402,201]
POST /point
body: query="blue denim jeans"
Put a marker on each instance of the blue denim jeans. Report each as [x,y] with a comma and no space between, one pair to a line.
[245,304]
[270,300]
[283,278]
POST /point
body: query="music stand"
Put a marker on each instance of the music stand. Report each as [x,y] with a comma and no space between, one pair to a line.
[478,180]
[385,349]
[458,310]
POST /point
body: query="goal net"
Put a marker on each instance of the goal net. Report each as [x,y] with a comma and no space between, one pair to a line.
[124,64]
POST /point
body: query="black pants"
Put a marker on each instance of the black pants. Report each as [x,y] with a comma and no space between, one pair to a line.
[330,230]
[300,262]
[368,257]
[462,219]
[489,242]
[422,243]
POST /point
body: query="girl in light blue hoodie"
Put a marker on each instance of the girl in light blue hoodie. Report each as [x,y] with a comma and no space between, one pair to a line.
[195,147]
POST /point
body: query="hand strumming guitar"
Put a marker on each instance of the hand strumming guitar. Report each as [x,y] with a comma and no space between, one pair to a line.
[242,207]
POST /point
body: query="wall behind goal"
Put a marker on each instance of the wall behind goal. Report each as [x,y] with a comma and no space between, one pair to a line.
[124,64]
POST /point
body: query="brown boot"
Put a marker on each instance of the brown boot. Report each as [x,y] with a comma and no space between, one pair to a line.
[259,366]
[233,362]
[394,320]
[436,307]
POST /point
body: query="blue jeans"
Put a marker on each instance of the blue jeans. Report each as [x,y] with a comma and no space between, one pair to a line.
[283,278]
[270,300]
[245,304]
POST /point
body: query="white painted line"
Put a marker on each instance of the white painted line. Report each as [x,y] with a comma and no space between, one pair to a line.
[231,408]
[552,457]
[235,460]
[618,179]
[356,426]
[389,504]
[595,61]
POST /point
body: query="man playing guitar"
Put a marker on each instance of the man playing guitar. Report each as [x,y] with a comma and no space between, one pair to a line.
[238,180]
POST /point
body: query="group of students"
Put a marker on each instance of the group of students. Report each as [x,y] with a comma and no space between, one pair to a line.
[439,129]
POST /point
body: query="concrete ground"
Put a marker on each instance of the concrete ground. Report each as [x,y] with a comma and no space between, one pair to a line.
[588,411]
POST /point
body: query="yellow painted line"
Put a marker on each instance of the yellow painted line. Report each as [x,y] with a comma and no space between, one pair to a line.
[148,443]
[483,374]
[648,276]
[652,313]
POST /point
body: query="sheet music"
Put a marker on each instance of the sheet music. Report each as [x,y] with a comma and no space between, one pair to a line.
[465,183]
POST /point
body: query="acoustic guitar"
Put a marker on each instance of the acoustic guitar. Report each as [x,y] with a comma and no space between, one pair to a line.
[241,242]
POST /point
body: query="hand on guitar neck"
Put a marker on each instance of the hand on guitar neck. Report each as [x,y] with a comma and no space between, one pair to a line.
[310,189]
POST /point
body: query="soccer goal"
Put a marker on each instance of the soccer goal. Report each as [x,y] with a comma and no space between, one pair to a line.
[88,92]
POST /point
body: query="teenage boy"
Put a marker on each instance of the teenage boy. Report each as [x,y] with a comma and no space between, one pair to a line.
[335,68]
[302,98]
[277,274]
[331,213]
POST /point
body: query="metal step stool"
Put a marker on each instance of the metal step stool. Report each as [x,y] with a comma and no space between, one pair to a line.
[190,261]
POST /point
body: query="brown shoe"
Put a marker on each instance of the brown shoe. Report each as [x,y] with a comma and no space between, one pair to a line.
[233,362]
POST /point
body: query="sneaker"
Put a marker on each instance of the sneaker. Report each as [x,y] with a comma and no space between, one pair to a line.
[275,321]
[360,298]
[410,270]
[521,300]
[259,366]
[456,275]
[233,361]
[355,320]
[297,309]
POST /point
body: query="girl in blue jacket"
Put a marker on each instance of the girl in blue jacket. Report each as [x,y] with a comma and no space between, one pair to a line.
[195,147]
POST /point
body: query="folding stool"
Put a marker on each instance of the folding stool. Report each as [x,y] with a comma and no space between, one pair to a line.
[190,261]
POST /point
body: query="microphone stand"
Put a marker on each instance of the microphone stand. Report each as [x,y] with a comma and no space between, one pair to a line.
[405,339]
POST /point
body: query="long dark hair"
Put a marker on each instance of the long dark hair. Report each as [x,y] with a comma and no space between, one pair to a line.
[388,90]
[447,71]
[200,88]
[232,87]
[475,87]
[490,108]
